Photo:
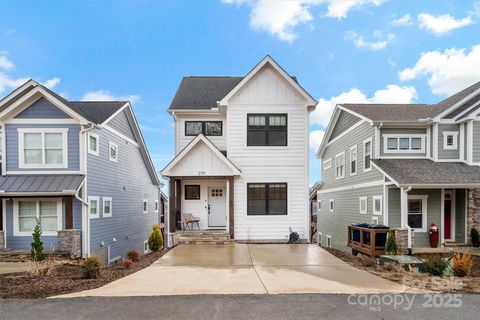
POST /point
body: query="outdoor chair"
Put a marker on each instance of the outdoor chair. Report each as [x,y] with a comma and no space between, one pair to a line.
[189,219]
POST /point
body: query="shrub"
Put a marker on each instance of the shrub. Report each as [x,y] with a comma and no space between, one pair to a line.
[155,240]
[41,268]
[128,264]
[462,264]
[91,268]
[391,247]
[434,264]
[133,255]
[37,253]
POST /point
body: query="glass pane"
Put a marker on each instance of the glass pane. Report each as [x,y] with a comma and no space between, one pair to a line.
[93,143]
[277,191]
[415,221]
[33,156]
[277,207]
[48,208]
[113,152]
[367,161]
[449,140]
[256,207]
[93,207]
[27,208]
[53,141]
[415,206]
[53,156]
[277,138]
[277,121]
[145,206]
[392,143]
[363,205]
[213,128]
[192,192]
[368,148]
[416,143]
[32,140]
[192,128]
[106,207]
[353,167]
[256,120]
[256,192]
[378,205]
[27,224]
[256,138]
[404,143]
[49,224]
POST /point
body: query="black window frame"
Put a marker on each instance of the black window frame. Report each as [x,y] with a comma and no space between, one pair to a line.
[204,130]
[197,186]
[267,199]
[266,128]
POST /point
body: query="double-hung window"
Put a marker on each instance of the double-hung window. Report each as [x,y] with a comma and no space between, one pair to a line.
[353,160]
[93,203]
[266,199]
[367,154]
[404,143]
[340,166]
[377,205]
[93,144]
[207,128]
[417,212]
[48,212]
[363,205]
[267,130]
[112,151]
[107,207]
[43,148]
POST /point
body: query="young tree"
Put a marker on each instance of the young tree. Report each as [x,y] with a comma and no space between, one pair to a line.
[155,240]
[37,244]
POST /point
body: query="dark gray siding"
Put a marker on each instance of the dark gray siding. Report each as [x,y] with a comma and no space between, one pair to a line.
[345,120]
[460,213]
[121,123]
[42,109]
[448,154]
[401,131]
[12,145]
[127,182]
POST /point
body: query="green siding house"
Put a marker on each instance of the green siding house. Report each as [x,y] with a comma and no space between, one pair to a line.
[404,166]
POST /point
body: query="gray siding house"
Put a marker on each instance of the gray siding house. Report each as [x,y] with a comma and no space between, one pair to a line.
[81,168]
[404,166]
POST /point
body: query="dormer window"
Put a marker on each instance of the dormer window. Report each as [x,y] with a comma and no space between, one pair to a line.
[207,128]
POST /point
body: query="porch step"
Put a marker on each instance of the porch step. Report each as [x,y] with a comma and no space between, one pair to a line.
[454,244]
[24,255]
[202,237]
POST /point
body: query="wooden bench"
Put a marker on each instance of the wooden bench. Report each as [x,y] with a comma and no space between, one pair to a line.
[190,219]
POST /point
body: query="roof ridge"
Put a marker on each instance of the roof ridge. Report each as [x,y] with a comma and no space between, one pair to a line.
[214,76]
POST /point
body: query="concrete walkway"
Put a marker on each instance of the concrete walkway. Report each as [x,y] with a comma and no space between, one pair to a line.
[246,269]
[11,267]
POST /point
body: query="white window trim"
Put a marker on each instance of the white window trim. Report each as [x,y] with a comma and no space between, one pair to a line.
[375,220]
[356,160]
[143,206]
[329,241]
[360,199]
[104,199]
[145,245]
[114,145]
[375,212]
[336,162]
[156,206]
[90,199]
[21,145]
[455,140]
[319,206]
[330,205]
[424,199]
[320,240]
[97,152]
[365,169]
[327,164]
[423,138]
[16,224]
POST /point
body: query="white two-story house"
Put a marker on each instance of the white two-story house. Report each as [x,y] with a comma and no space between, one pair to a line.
[241,154]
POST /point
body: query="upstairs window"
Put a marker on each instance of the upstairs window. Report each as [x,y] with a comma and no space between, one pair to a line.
[404,143]
[113,151]
[450,140]
[43,148]
[327,164]
[340,166]
[353,160]
[207,128]
[367,154]
[93,147]
[266,199]
[267,130]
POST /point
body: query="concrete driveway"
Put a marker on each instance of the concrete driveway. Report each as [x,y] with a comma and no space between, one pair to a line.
[246,269]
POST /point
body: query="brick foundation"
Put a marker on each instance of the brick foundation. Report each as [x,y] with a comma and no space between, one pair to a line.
[69,241]
[473,211]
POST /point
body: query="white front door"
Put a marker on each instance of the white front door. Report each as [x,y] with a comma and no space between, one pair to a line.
[217,207]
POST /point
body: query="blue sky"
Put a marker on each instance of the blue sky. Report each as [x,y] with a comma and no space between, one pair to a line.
[341,51]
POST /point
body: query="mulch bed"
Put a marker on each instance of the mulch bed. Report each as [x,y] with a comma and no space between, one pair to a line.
[66,278]
[395,273]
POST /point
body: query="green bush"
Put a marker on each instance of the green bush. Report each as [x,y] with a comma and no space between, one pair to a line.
[37,253]
[91,268]
[391,247]
[155,240]
[133,255]
[434,264]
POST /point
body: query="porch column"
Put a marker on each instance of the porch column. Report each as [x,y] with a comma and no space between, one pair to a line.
[171,205]
[178,197]
[68,212]
[403,207]
[231,216]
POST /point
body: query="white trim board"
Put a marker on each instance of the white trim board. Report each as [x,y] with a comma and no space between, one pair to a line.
[354,186]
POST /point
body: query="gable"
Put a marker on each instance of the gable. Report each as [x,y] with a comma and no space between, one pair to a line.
[464,107]
[267,86]
[42,109]
[120,123]
[345,120]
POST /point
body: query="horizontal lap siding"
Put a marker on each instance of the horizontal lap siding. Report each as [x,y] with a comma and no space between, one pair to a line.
[42,109]
[345,121]
[182,140]
[12,144]
[121,123]
[347,211]
[402,131]
[476,141]
[127,182]
[448,154]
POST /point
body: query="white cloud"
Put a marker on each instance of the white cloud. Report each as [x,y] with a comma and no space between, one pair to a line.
[406,20]
[6,63]
[391,94]
[316,137]
[51,83]
[281,17]
[10,83]
[441,25]
[449,71]
[105,95]
[381,40]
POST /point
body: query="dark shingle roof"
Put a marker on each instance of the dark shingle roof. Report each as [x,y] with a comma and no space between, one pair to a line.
[450,101]
[392,112]
[97,111]
[202,92]
[408,172]
[65,183]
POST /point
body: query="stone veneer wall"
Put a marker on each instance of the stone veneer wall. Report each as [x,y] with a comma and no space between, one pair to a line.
[401,237]
[473,211]
[2,240]
[69,241]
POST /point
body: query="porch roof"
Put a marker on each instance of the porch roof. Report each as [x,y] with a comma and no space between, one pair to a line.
[426,173]
[64,184]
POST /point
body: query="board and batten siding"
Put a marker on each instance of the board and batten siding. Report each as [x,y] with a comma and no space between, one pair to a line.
[12,145]
[182,140]
[120,123]
[269,92]
[127,182]
[347,211]
[448,154]
[42,109]
[402,131]
[344,122]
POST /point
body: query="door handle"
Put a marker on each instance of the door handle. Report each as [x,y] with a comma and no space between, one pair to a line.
[208,209]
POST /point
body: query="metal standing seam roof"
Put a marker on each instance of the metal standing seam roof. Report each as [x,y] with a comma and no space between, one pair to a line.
[408,172]
[57,183]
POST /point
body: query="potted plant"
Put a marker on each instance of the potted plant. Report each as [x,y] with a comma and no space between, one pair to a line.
[475,237]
